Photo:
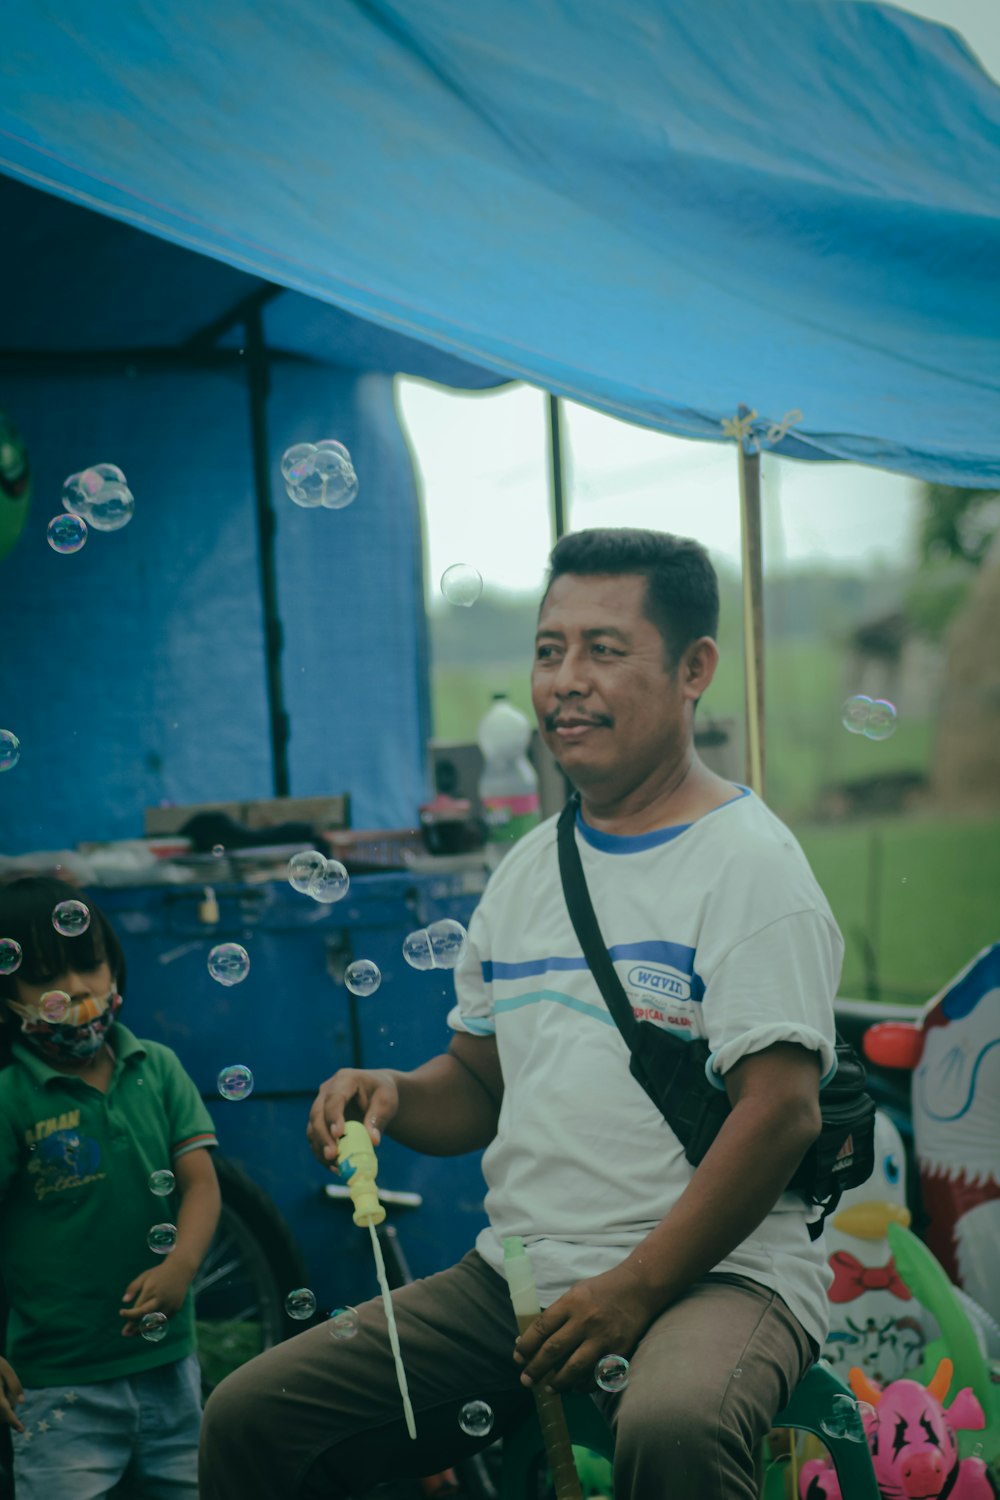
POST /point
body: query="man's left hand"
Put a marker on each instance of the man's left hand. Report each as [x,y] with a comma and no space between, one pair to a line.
[605,1314]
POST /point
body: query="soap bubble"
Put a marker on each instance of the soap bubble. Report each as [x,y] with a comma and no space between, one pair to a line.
[300,1304]
[447,940]
[881,720]
[461,584]
[296,462]
[162,1238]
[362,977]
[71,918]
[66,533]
[10,750]
[417,950]
[54,1006]
[79,490]
[10,955]
[218,850]
[611,1372]
[854,714]
[330,883]
[844,1420]
[228,963]
[332,468]
[161,1182]
[343,1323]
[476,1418]
[112,508]
[153,1326]
[302,867]
[235,1081]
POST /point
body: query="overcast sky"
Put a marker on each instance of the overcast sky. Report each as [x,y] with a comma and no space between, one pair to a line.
[483,463]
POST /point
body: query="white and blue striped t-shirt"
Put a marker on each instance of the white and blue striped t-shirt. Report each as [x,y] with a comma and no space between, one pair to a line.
[717,929]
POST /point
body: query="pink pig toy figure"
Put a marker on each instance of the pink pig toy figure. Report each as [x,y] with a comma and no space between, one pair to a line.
[911,1435]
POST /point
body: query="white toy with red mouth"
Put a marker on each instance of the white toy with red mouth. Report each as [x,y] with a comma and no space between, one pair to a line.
[875,1322]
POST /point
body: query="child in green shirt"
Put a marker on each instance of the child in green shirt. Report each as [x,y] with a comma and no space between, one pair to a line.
[102,1138]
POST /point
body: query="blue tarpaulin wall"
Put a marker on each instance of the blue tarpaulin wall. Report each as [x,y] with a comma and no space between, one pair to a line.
[665,208]
[133,672]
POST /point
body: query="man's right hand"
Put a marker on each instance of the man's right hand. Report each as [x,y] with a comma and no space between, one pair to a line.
[351,1094]
[11,1393]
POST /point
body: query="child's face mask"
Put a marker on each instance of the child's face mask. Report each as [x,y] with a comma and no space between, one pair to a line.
[63,1029]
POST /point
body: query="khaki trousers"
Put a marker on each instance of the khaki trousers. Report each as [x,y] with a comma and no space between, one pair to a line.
[316,1418]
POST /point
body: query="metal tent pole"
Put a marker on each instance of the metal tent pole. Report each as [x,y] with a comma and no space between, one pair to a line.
[556,469]
[753,614]
[258,382]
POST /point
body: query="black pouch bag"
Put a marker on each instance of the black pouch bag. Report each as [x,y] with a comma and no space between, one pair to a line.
[672,1071]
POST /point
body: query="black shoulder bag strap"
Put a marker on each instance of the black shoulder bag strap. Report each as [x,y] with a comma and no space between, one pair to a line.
[671,1069]
[582,915]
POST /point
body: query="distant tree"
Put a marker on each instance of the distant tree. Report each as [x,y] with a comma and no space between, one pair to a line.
[957,525]
[956,530]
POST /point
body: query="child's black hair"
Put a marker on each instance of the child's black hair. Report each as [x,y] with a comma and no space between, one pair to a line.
[26,908]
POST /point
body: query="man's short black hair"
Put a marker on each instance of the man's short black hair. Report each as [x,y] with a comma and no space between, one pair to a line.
[682,590]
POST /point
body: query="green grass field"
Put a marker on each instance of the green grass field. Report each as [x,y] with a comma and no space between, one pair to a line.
[915,896]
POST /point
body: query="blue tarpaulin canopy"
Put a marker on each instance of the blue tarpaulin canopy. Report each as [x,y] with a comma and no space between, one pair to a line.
[664,208]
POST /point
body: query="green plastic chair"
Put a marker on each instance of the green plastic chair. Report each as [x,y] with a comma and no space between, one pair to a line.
[812,1403]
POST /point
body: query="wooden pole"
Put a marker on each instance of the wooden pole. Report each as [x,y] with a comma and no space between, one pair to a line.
[557,491]
[753,614]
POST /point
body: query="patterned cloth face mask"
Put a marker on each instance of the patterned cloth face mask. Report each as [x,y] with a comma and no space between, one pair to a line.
[63,1029]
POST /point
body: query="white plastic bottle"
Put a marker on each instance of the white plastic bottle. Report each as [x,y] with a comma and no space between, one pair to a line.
[508,785]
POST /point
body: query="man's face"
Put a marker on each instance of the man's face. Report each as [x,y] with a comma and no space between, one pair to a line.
[608,707]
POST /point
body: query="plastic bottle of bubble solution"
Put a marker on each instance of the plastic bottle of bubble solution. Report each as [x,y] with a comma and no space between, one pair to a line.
[508,785]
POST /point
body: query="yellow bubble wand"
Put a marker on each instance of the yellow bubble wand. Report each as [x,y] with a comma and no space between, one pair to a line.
[359,1167]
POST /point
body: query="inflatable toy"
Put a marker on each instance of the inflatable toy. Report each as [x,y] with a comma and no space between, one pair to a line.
[954,1051]
[911,1434]
[15,484]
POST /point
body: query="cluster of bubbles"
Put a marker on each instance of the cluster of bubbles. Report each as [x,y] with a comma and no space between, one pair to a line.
[476,1419]
[228,963]
[437,946]
[10,750]
[10,955]
[462,584]
[319,474]
[235,1081]
[362,977]
[162,1238]
[300,1304]
[71,918]
[97,498]
[875,718]
[344,1323]
[846,1419]
[161,1182]
[312,874]
[611,1372]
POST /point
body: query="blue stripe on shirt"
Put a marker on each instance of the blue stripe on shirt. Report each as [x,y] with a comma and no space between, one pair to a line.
[557,997]
[654,951]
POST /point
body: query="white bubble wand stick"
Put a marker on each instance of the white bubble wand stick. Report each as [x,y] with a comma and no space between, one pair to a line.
[358,1166]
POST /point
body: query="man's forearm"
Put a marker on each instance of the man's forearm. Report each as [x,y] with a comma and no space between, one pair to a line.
[443,1109]
[737,1183]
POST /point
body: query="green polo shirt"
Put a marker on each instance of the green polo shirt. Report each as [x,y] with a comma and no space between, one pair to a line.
[75,1207]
